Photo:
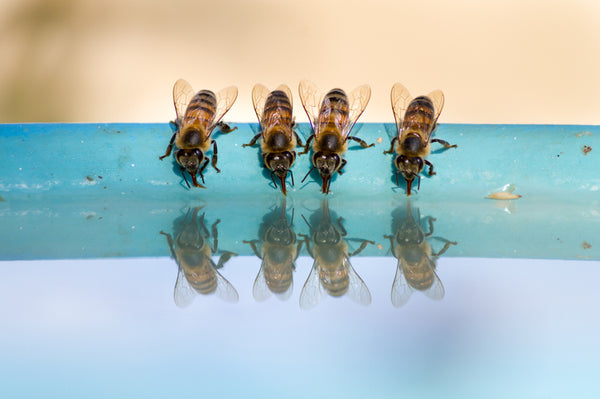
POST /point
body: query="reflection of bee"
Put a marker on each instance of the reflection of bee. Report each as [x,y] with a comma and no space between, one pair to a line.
[416,259]
[332,119]
[331,269]
[197,116]
[279,139]
[197,271]
[279,252]
[416,120]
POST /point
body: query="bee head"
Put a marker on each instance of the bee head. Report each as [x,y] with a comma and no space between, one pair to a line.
[190,160]
[410,167]
[280,163]
[328,164]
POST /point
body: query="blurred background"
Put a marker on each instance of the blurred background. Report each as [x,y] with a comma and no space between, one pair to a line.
[508,61]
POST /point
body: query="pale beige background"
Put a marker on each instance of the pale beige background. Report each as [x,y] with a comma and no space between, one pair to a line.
[505,61]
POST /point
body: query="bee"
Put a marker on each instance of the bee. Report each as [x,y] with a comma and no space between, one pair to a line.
[416,259]
[197,117]
[332,119]
[416,120]
[279,252]
[197,273]
[278,137]
[331,269]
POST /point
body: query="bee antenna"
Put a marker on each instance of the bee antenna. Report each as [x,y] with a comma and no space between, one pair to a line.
[292,176]
[311,169]
[273,180]
[306,221]
[185,178]
[419,184]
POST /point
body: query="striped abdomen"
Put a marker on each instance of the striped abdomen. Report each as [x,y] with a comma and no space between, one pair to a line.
[278,110]
[333,115]
[419,118]
[200,112]
[420,276]
[202,276]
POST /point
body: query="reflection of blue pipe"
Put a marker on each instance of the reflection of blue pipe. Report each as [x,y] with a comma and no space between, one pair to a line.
[83,190]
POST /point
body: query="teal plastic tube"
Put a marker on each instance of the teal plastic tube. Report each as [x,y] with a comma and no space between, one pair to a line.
[99,190]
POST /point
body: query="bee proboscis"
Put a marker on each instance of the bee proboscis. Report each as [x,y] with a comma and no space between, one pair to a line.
[278,137]
[197,116]
[416,120]
[332,117]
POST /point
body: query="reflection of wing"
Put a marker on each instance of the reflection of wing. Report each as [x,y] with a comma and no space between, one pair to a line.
[401,291]
[400,100]
[437,97]
[358,99]
[225,99]
[436,291]
[259,97]
[357,290]
[184,294]
[182,94]
[312,292]
[260,290]
[225,290]
[311,101]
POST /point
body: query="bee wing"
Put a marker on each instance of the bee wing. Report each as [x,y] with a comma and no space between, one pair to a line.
[259,97]
[311,101]
[436,291]
[357,289]
[225,290]
[184,294]
[358,99]
[437,97]
[284,296]
[225,99]
[182,94]
[401,290]
[312,292]
[400,99]
[288,93]
[260,290]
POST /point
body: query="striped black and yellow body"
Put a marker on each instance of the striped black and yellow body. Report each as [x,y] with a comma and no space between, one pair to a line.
[197,116]
[332,119]
[278,137]
[416,120]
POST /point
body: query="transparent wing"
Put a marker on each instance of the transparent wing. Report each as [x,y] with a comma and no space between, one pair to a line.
[225,99]
[312,292]
[259,97]
[357,289]
[182,94]
[436,291]
[437,97]
[358,99]
[260,290]
[401,291]
[225,290]
[184,294]
[284,296]
[400,99]
[311,100]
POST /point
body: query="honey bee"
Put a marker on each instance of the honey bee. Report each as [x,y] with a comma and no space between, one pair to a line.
[279,252]
[416,120]
[197,117]
[332,118]
[331,269]
[197,272]
[416,259]
[278,137]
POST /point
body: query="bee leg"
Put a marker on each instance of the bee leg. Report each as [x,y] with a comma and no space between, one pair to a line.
[391,238]
[202,169]
[225,258]
[362,246]
[253,141]
[306,145]
[298,140]
[170,242]
[215,234]
[431,172]
[169,147]
[446,246]
[343,230]
[362,143]
[444,143]
[391,146]
[225,128]
[430,221]
[253,246]
[340,171]
[307,242]
[214,157]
